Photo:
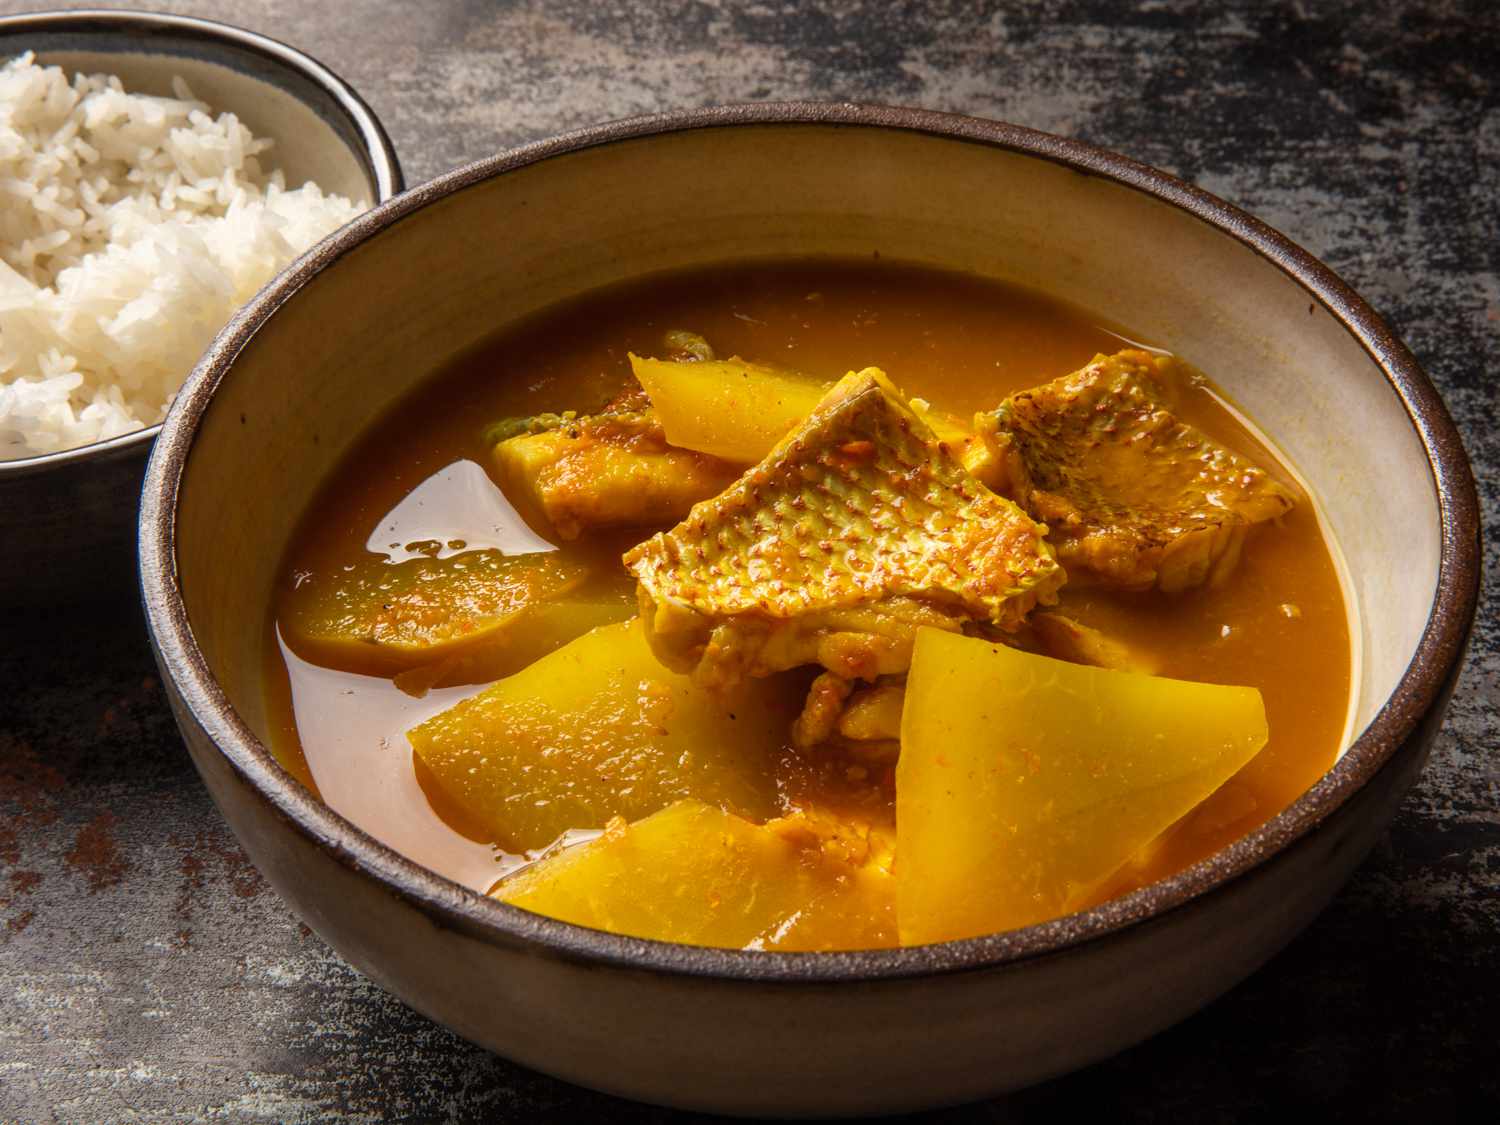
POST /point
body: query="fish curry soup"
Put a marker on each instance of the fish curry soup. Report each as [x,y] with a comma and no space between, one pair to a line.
[810,605]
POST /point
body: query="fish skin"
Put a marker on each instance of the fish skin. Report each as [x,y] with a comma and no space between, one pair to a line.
[1133,497]
[860,521]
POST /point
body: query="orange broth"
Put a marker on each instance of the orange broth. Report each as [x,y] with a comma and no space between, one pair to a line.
[1280,624]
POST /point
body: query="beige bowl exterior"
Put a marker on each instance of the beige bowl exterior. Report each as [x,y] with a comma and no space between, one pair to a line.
[334,343]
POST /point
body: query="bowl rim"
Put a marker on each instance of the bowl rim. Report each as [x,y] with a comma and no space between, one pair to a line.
[1420,688]
[379,152]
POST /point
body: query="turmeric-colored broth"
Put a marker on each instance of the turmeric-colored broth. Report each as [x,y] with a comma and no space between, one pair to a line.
[1280,624]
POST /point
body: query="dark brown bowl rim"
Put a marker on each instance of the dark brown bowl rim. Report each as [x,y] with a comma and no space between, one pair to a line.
[457,908]
[379,154]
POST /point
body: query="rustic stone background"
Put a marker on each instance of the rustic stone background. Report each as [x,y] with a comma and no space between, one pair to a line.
[146,973]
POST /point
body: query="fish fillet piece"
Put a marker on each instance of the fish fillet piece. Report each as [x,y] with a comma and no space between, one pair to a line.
[858,528]
[606,470]
[863,720]
[874,713]
[841,708]
[1132,496]
[1063,638]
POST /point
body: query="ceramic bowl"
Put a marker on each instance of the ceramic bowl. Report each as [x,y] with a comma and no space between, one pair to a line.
[333,343]
[68,519]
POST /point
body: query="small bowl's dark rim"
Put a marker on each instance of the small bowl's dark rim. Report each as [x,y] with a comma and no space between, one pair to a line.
[453,906]
[379,152]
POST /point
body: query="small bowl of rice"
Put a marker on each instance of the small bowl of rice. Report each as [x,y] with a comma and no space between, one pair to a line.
[155,172]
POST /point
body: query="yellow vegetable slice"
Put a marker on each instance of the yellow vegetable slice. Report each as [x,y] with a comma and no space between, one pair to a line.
[728,408]
[546,626]
[600,729]
[696,874]
[384,618]
[526,637]
[738,410]
[1024,781]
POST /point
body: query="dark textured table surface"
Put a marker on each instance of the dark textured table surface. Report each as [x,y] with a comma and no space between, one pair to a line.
[147,972]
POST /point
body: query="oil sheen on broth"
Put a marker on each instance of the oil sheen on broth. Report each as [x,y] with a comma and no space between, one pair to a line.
[420,484]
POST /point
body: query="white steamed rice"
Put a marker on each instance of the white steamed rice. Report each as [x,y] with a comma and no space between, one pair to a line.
[131,228]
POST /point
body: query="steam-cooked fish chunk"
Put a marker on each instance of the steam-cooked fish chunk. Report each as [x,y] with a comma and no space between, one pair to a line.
[864,719]
[1065,639]
[821,711]
[873,714]
[858,528]
[1132,496]
[606,470]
